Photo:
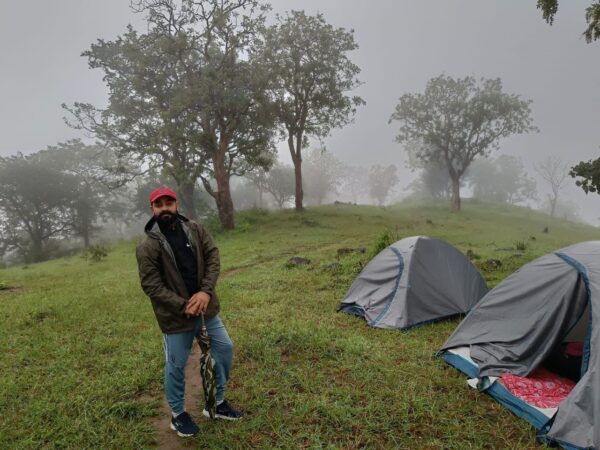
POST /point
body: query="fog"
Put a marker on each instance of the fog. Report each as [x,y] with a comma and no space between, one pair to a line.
[403,44]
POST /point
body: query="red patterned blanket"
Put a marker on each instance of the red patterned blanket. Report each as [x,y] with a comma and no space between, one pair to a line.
[541,388]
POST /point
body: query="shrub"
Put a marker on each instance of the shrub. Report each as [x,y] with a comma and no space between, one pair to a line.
[95,253]
[384,240]
[521,245]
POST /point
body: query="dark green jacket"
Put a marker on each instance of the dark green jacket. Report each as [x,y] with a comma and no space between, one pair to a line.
[162,282]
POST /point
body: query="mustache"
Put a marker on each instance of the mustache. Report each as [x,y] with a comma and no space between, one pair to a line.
[167,216]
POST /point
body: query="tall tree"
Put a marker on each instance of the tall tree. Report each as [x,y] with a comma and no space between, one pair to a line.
[279,182]
[592,17]
[554,171]
[36,205]
[458,120]
[312,74]
[149,116]
[381,181]
[185,97]
[99,175]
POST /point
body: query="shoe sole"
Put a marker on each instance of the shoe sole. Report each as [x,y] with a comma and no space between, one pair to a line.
[205,413]
[180,434]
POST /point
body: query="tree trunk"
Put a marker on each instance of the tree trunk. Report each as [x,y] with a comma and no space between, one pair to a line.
[223,194]
[37,249]
[455,194]
[85,234]
[297,160]
[553,202]
[260,196]
[186,195]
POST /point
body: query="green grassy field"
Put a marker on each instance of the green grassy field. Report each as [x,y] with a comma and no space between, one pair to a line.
[81,363]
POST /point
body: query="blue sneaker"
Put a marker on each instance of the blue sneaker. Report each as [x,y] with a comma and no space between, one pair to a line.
[184,425]
[225,411]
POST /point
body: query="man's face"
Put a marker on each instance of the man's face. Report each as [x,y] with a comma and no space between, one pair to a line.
[164,209]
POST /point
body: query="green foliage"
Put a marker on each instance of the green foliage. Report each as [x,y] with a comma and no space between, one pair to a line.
[384,240]
[589,174]
[592,17]
[4,286]
[37,203]
[311,75]
[549,9]
[95,253]
[521,245]
[188,97]
[457,120]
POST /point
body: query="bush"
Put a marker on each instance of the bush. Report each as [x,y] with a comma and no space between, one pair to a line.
[384,240]
[95,253]
[521,245]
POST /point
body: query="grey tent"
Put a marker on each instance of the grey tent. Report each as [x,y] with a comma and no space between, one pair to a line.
[516,332]
[414,281]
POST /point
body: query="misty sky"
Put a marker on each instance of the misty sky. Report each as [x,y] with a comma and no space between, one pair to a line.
[402,45]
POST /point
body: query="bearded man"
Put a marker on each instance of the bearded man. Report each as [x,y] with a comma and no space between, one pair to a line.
[178,264]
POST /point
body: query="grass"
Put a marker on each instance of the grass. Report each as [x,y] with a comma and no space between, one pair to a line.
[82,359]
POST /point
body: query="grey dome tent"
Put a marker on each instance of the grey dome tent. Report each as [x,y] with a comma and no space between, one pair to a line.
[413,281]
[516,330]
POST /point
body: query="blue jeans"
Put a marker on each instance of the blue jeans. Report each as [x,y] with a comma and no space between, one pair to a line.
[177,350]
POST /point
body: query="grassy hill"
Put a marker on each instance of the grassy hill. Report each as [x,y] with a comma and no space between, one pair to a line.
[81,363]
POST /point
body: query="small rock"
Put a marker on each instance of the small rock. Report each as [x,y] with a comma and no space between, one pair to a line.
[297,261]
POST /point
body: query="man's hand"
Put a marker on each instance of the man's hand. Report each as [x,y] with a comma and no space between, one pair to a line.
[197,304]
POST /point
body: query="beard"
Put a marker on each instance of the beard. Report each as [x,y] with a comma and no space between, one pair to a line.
[167,217]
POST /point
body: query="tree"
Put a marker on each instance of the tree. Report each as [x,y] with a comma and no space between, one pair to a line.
[184,97]
[458,120]
[589,174]
[323,175]
[381,181]
[354,182]
[592,17]
[99,175]
[433,182]
[311,74]
[279,182]
[36,204]
[554,171]
[503,179]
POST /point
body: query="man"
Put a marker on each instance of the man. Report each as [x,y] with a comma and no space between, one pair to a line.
[179,265]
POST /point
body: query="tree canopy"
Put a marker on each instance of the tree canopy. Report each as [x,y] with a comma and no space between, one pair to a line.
[185,97]
[457,120]
[312,74]
[592,17]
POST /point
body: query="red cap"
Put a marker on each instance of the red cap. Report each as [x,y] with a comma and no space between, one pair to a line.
[162,191]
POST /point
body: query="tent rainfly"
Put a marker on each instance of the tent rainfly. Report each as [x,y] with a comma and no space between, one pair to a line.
[414,281]
[532,343]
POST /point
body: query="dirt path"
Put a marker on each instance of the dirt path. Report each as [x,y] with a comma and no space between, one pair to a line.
[167,439]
